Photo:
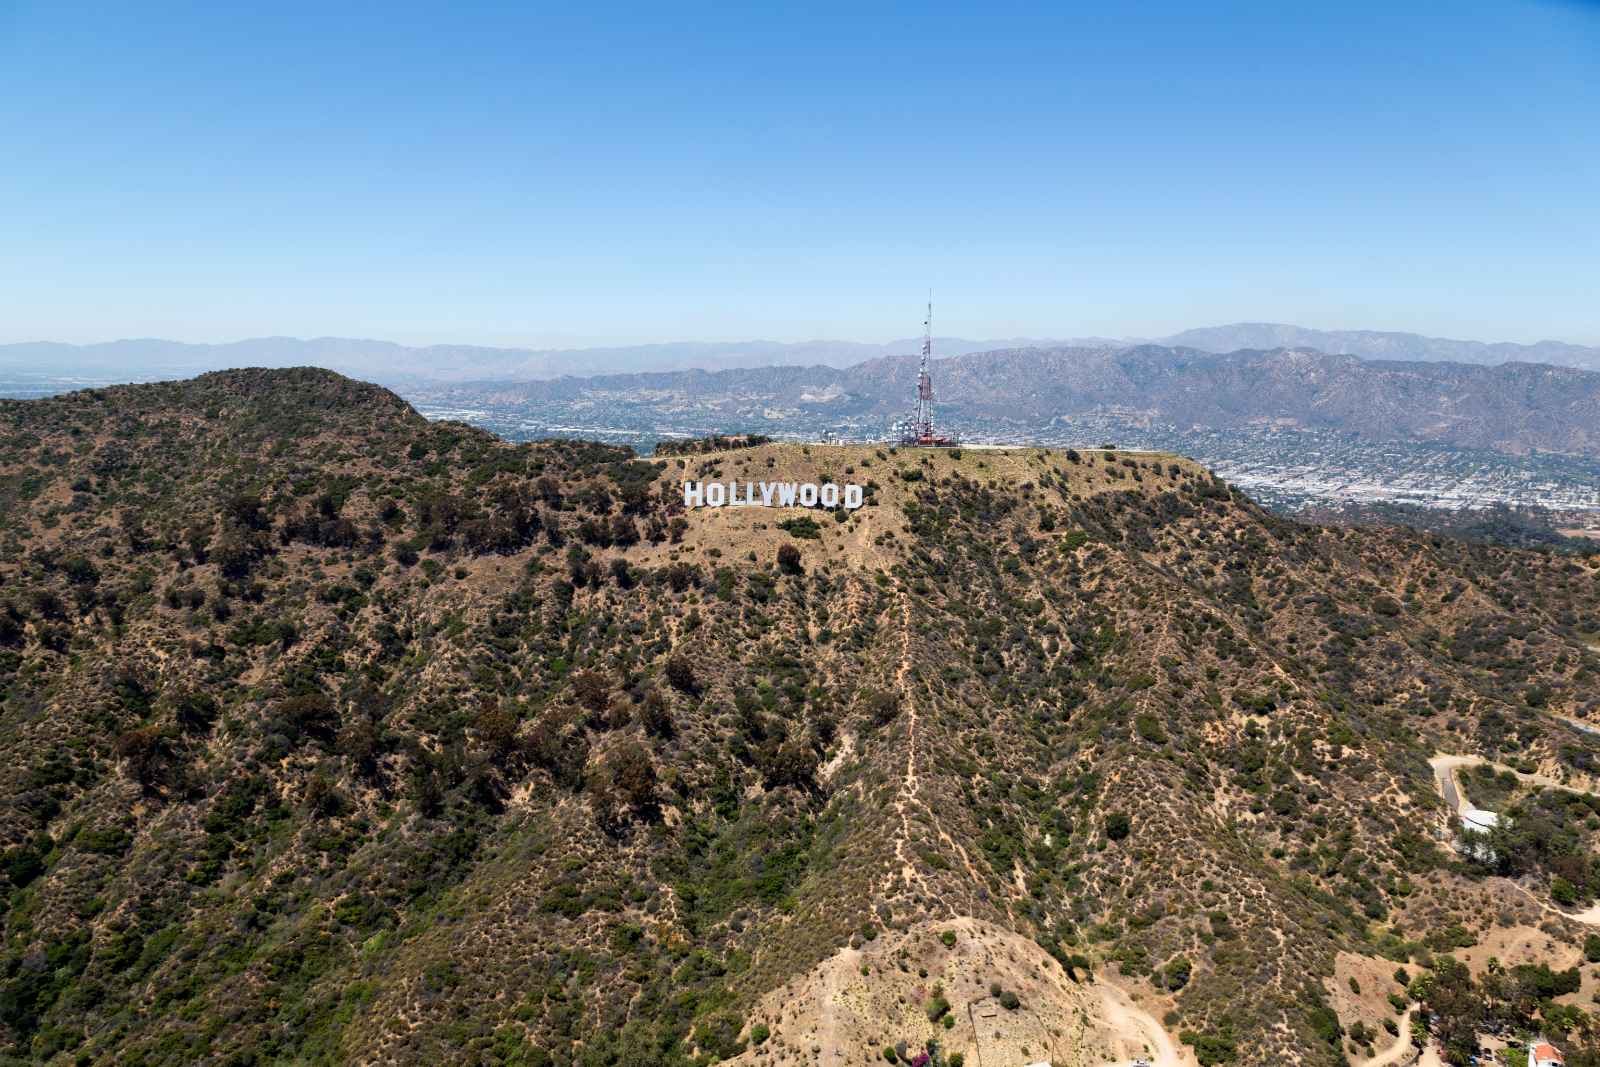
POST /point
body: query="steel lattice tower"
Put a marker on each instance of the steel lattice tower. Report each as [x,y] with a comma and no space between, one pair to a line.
[922,422]
[918,430]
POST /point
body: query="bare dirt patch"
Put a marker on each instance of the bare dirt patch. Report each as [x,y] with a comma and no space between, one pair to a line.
[1367,1002]
[862,1000]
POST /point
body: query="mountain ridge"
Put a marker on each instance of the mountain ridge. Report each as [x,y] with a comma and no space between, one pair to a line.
[391,361]
[1513,407]
[1384,344]
[148,357]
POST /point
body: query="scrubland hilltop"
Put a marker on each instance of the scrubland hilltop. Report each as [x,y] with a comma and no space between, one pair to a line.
[333,735]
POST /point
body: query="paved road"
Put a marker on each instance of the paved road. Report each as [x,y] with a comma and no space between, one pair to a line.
[1444,776]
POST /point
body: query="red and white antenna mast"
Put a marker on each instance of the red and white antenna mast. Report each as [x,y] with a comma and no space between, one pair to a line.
[919,430]
[923,427]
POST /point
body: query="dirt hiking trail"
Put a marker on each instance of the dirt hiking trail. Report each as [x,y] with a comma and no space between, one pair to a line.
[1398,1051]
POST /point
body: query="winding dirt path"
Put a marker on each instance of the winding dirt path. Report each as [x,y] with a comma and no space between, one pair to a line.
[832,1051]
[1396,1052]
[1126,1018]
[908,796]
[908,783]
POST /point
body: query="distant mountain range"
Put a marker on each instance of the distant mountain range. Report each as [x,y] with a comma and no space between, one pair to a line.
[1376,344]
[392,363]
[389,363]
[1513,407]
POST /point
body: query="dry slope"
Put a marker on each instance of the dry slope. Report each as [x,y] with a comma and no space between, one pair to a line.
[332,735]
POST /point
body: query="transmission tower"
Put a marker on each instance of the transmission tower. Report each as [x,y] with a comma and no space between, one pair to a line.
[924,420]
[920,429]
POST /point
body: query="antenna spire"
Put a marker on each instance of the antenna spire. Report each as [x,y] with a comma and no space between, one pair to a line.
[920,431]
[927,332]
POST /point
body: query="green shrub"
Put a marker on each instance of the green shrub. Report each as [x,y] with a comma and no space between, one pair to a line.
[107,841]
[804,527]
[1149,728]
[1211,1049]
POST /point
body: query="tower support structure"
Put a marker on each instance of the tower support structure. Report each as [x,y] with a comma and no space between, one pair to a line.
[919,430]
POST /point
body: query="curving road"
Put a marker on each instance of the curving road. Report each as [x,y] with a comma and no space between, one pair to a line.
[1125,1017]
[1398,1051]
[1444,776]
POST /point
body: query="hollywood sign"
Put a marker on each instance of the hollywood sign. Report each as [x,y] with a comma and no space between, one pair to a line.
[772,495]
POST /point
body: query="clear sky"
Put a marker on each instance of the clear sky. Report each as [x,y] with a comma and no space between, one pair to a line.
[585,173]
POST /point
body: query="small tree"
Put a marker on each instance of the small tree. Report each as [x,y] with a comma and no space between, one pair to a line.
[1118,825]
[794,763]
[655,715]
[195,711]
[593,691]
[789,559]
[148,754]
[625,787]
[880,706]
[362,742]
[246,510]
[308,715]
[322,796]
[681,674]
[497,730]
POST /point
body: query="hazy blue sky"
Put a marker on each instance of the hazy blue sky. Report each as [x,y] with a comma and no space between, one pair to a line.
[499,173]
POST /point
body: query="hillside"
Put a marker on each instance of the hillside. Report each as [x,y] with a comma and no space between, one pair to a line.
[333,735]
[1515,407]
